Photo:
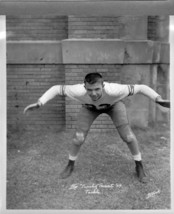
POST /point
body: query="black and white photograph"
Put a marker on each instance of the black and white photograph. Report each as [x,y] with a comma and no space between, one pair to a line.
[88,110]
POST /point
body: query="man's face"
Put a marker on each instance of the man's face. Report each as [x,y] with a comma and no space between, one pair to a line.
[95,90]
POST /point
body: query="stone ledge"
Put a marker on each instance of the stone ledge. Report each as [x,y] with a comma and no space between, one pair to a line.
[87,51]
[106,8]
[34,52]
[114,51]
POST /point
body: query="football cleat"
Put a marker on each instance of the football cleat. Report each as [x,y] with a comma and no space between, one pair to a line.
[67,171]
[140,172]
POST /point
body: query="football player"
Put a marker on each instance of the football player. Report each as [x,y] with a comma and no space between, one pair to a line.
[97,97]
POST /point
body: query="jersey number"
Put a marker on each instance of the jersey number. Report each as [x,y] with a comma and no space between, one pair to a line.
[100,107]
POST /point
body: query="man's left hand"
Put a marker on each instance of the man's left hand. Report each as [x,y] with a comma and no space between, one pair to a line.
[164,103]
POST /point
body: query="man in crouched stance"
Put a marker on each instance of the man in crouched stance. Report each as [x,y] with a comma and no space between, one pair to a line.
[97,97]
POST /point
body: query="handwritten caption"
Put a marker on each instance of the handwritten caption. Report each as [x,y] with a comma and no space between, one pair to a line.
[94,188]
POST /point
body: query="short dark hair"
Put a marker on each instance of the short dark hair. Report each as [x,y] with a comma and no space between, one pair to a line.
[92,78]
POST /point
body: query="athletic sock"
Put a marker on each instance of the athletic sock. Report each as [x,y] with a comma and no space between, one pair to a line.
[72,160]
[137,157]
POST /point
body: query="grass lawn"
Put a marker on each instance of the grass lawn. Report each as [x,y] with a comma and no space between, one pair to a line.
[104,175]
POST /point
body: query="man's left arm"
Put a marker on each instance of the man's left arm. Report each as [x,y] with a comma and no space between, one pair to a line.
[149,92]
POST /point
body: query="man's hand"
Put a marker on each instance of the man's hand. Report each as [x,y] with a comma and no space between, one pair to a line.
[32,107]
[164,103]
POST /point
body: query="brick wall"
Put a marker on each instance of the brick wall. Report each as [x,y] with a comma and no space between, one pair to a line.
[121,27]
[163,89]
[37,28]
[107,27]
[30,74]
[158,28]
[25,84]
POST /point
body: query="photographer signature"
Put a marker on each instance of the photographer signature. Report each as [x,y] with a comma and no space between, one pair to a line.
[152,194]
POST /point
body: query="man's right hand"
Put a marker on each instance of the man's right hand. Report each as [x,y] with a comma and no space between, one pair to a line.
[32,107]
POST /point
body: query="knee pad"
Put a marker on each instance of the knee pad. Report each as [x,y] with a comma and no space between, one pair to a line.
[79,138]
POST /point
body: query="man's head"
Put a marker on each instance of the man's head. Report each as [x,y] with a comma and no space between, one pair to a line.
[94,85]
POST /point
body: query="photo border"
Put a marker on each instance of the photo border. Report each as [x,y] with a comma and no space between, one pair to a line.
[124,10]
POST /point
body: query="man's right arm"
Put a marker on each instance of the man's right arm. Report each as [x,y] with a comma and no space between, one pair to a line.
[51,93]
[47,96]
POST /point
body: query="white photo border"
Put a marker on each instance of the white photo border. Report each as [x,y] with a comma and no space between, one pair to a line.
[3,123]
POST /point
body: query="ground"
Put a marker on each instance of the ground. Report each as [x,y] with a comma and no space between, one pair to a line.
[104,176]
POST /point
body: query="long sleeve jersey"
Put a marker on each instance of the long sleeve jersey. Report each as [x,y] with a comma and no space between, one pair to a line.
[112,93]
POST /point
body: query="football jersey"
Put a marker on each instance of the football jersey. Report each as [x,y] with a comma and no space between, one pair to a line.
[112,93]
